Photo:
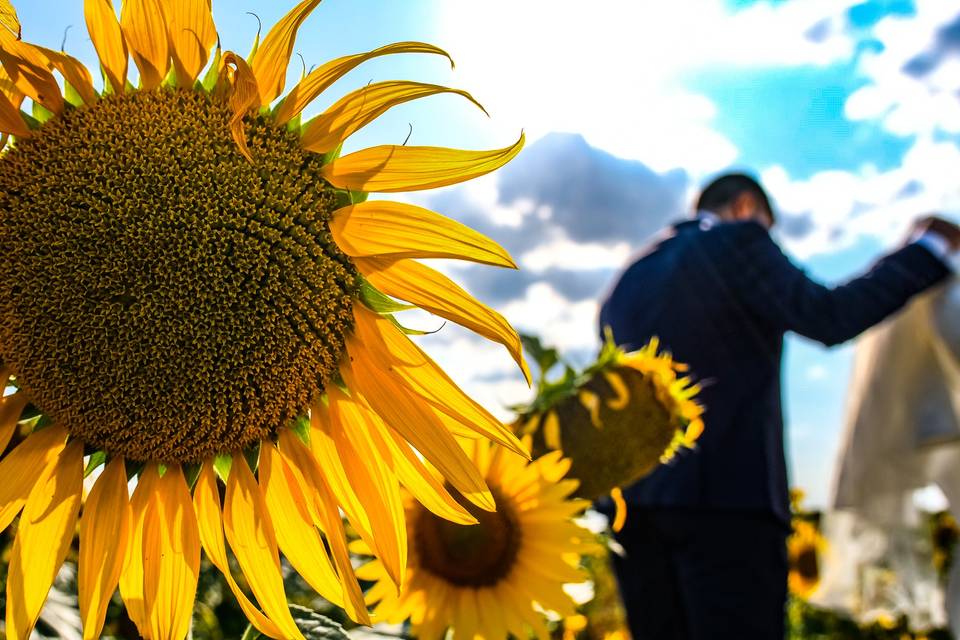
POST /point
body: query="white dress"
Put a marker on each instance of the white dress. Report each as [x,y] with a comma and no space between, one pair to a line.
[902,433]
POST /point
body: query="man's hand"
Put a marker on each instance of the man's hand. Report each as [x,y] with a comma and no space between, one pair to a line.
[944,228]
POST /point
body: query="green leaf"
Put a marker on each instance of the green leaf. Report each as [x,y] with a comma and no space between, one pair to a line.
[213,72]
[251,633]
[301,427]
[71,95]
[379,302]
[252,454]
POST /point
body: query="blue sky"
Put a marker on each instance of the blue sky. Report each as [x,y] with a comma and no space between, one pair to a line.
[848,111]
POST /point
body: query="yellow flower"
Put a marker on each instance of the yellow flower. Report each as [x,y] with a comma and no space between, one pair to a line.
[493,578]
[195,291]
[618,419]
[805,546]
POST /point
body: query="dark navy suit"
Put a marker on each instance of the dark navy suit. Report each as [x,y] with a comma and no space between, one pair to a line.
[720,297]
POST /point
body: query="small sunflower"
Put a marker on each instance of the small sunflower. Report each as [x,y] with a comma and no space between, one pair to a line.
[495,577]
[805,546]
[195,293]
[616,420]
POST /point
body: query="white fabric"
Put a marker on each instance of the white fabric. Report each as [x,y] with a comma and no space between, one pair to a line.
[902,433]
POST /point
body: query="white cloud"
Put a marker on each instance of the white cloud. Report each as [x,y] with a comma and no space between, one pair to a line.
[817,372]
[563,253]
[905,104]
[609,69]
[560,323]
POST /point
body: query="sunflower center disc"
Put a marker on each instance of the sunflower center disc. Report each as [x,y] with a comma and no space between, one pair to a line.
[807,564]
[162,297]
[469,555]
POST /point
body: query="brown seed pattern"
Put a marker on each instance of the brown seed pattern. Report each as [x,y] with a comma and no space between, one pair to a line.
[162,297]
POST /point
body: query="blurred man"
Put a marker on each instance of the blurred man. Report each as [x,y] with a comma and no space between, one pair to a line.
[704,540]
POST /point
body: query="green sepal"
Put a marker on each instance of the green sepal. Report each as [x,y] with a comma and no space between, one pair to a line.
[97,458]
[221,464]
[301,428]
[379,302]
[161,469]
[40,113]
[32,123]
[191,472]
[545,357]
[209,82]
[71,95]
[133,468]
[171,79]
[356,197]
[252,455]
[411,332]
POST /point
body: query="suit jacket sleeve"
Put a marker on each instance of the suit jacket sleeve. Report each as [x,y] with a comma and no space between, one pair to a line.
[776,291]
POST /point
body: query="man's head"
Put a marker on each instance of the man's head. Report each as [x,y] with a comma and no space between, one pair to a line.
[736,196]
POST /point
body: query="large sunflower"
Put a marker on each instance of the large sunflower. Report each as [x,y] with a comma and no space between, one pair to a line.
[495,577]
[194,292]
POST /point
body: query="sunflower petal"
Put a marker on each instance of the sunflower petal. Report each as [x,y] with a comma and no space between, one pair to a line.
[8,18]
[29,71]
[297,536]
[411,472]
[273,55]
[380,228]
[375,484]
[413,419]
[24,467]
[251,536]
[144,27]
[104,529]
[431,290]
[335,471]
[397,355]
[324,509]
[73,72]
[192,36]
[10,409]
[391,168]
[318,80]
[43,538]
[171,557]
[361,107]
[107,36]
[244,97]
[206,502]
[131,573]
[10,120]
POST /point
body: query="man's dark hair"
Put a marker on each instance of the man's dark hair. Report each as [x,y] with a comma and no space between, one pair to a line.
[722,191]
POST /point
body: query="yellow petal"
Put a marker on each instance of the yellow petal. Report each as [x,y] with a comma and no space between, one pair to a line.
[206,502]
[273,55]
[431,290]
[131,574]
[9,89]
[361,107]
[26,466]
[73,72]
[10,120]
[620,518]
[395,354]
[411,472]
[335,471]
[107,37]
[397,168]
[323,507]
[244,97]
[10,409]
[8,18]
[192,36]
[104,529]
[380,228]
[374,483]
[29,71]
[318,80]
[43,538]
[171,557]
[297,536]
[413,419]
[251,537]
[551,431]
[145,29]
